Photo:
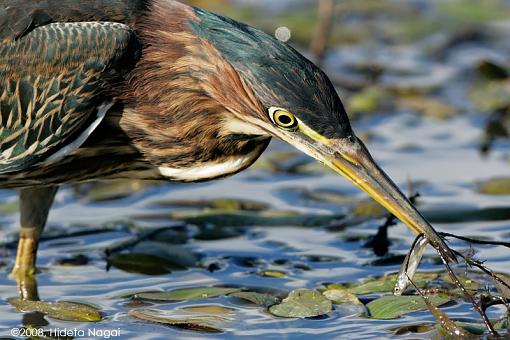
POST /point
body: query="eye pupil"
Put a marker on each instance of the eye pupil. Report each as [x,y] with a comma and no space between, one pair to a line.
[285,120]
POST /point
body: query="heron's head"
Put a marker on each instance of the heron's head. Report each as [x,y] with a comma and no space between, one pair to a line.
[264,87]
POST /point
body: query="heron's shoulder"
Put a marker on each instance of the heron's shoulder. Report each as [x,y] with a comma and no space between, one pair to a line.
[19,17]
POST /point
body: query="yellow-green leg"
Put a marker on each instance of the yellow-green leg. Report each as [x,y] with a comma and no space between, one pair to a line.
[35,203]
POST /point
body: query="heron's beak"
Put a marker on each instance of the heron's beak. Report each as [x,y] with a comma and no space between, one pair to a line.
[350,158]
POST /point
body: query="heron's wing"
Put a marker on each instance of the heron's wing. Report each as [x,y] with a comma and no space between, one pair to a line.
[55,85]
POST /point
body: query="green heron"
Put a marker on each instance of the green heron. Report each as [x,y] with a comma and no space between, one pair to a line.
[156,89]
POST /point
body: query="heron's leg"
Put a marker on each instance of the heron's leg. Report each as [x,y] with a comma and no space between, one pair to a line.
[35,204]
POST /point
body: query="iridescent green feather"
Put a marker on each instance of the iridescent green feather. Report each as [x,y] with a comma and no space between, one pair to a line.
[52,81]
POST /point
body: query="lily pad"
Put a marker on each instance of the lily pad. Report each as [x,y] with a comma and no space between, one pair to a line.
[368,100]
[430,107]
[339,296]
[214,233]
[67,311]
[250,218]
[491,70]
[347,303]
[154,258]
[468,283]
[260,299]
[185,294]
[491,95]
[140,263]
[209,309]
[111,190]
[203,323]
[502,287]
[387,283]
[10,207]
[178,256]
[495,186]
[220,203]
[392,307]
[369,208]
[273,273]
[302,303]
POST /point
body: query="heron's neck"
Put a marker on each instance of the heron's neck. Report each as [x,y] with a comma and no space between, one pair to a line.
[182,92]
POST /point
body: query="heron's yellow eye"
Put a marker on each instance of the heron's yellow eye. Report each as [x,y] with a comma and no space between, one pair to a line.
[283,118]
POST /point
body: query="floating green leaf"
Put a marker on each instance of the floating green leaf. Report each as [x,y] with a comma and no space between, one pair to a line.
[212,233]
[302,303]
[177,256]
[140,263]
[387,283]
[260,299]
[273,273]
[203,323]
[348,303]
[68,311]
[339,296]
[208,309]
[111,190]
[368,208]
[495,186]
[250,218]
[430,107]
[184,294]
[154,258]
[468,214]
[468,283]
[503,287]
[9,207]
[391,306]
[491,70]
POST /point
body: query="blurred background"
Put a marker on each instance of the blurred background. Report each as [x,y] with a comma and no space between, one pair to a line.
[426,84]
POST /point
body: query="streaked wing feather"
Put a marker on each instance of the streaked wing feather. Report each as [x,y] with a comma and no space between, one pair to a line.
[19,17]
[51,83]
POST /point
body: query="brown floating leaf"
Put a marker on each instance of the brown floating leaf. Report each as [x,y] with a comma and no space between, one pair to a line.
[203,323]
[208,309]
[184,294]
[68,311]
[273,273]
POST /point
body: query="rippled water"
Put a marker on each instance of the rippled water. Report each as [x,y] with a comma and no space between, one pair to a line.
[449,167]
[441,157]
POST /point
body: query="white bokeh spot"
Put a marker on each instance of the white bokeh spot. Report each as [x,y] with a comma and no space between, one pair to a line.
[283,34]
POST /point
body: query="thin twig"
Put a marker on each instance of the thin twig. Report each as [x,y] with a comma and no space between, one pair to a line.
[469,297]
[479,265]
[471,240]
